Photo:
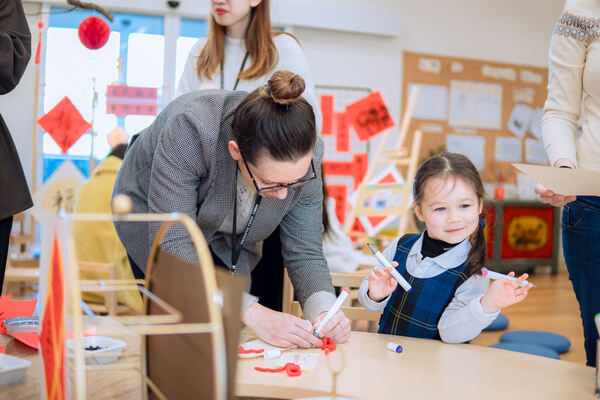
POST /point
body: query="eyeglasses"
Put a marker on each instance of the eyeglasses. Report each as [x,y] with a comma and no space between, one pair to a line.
[272,189]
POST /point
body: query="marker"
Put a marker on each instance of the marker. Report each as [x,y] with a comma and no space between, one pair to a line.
[396,348]
[332,311]
[387,264]
[497,275]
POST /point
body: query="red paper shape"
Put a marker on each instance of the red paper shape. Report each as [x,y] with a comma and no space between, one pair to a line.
[2,348]
[65,124]
[342,140]
[327,113]
[369,116]
[340,194]
[527,233]
[52,339]
[93,32]
[123,100]
[357,168]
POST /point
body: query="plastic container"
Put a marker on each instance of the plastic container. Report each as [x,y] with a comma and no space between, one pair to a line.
[105,344]
[12,369]
[22,324]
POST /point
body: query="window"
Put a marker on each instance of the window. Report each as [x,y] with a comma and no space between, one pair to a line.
[133,55]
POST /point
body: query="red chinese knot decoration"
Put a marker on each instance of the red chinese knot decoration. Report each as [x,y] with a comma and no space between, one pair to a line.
[93,32]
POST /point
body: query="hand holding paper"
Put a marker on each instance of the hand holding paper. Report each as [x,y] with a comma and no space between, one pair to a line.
[564,181]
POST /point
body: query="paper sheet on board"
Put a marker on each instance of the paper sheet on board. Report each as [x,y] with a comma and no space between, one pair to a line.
[565,181]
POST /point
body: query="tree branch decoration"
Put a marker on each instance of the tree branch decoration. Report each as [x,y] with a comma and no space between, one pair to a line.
[91,6]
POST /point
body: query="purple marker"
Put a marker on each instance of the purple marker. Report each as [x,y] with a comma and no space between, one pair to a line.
[396,348]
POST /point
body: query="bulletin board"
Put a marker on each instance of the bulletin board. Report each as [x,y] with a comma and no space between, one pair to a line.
[489,111]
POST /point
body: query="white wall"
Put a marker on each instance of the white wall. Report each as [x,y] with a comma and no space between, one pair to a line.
[512,31]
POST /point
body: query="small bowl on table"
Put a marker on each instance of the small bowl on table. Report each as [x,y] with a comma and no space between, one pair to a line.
[95,346]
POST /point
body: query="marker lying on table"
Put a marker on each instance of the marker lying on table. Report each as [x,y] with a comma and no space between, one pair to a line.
[496,275]
[332,311]
[384,261]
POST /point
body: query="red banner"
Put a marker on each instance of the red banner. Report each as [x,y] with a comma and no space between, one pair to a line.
[123,100]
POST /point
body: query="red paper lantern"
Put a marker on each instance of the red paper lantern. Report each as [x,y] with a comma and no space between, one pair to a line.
[93,32]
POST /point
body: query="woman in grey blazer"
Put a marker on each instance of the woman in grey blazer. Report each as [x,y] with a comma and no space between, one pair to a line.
[241,165]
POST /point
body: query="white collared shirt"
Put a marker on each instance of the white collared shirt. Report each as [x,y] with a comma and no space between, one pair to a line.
[464,318]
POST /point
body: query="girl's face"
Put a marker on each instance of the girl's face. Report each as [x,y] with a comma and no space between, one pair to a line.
[234,15]
[450,209]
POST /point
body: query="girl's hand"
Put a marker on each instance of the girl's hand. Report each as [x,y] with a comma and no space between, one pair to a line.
[504,292]
[382,283]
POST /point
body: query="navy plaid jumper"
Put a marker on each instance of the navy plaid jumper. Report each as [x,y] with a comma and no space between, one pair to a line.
[417,313]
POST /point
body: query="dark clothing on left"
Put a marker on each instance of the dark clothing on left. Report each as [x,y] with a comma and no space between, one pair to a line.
[15,51]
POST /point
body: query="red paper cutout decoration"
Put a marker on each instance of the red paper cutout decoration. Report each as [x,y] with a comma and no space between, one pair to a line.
[93,32]
[64,124]
[123,100]
[327,112]
[52,338]
[369,116]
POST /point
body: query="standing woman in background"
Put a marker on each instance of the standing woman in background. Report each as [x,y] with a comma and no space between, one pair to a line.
[241,52]
[573,80]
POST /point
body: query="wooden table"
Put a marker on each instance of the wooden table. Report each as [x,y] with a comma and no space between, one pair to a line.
[428,369]
[101,384]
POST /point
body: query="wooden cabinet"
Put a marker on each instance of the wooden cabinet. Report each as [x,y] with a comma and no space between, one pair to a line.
[521,235]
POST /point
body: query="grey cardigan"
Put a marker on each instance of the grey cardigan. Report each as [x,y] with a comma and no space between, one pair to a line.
[181,163]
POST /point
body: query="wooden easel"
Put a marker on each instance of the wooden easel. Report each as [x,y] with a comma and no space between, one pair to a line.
[169,322]
[405,161]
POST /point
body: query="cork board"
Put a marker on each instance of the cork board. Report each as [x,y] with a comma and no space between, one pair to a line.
[489,109]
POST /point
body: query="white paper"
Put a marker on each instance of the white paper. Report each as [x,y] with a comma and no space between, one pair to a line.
[566,181]
[518,122]
[258,344]
[470,146]
[535,123]
[535,152]
[431,103]
[508,149]
[431,65]
[475,105]
[306,361]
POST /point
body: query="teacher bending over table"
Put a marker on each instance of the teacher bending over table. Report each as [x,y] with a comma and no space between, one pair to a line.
[241,165]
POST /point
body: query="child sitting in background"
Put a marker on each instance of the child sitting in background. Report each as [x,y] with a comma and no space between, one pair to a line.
[450,298]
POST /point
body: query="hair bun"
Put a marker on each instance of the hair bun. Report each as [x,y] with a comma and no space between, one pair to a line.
[284,87]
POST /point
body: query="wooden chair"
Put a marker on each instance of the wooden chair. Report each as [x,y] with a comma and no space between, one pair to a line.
[349,280]
[19,238]
[110,305]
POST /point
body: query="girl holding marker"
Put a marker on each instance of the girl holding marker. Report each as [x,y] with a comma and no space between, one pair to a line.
[450,298]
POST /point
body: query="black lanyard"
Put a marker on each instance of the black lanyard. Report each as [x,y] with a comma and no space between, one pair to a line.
[238,77]
[235,250]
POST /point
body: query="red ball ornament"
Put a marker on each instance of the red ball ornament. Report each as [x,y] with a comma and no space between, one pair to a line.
[93,32]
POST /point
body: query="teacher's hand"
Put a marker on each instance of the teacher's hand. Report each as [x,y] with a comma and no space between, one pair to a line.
[554,199]
[280,329]
[336,329]
[548,196]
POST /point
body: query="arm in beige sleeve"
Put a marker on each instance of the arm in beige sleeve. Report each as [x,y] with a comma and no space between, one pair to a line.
[563,104]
